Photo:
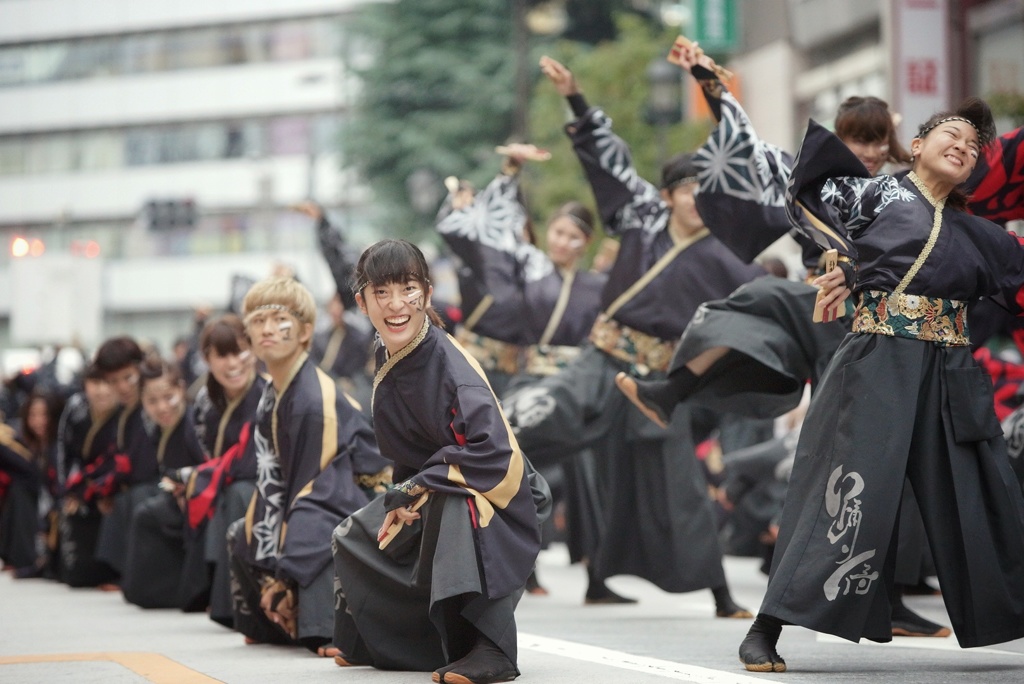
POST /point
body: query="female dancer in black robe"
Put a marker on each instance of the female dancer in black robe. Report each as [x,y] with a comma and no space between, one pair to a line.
[429,575]
[902,400]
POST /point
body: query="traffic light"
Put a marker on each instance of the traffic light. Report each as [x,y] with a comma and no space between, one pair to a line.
[170,214]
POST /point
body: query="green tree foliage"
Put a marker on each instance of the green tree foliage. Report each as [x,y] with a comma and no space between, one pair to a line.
[611,76]
[436,99]
[439,95]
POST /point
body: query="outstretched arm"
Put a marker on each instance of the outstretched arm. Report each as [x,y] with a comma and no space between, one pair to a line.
[333,248]
[624,200]
[692,58]
[742,178]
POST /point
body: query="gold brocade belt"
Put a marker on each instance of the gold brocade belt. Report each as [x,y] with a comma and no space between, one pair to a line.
[493,355]
[930,319]
[646,352]
[547,359]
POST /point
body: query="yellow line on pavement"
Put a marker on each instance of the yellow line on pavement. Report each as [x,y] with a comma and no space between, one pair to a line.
[154,667]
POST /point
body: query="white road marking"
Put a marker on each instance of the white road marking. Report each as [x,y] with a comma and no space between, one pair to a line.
[628,661]
[933,643]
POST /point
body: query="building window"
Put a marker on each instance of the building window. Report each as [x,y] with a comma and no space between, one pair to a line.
[190,48]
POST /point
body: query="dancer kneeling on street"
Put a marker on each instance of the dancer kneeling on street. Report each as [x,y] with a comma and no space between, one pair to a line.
[317,463]
[430,574]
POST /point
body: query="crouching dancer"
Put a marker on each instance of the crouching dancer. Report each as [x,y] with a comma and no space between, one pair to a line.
[315,457]
[430,574]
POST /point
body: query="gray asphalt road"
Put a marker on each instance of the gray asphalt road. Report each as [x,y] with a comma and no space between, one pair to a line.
[50,633]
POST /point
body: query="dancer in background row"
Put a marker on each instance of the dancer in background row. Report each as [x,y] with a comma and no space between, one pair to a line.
[218,491]
[87,435]
[154,566]
[316,462]
[559,302]
[29,488]
[659,523]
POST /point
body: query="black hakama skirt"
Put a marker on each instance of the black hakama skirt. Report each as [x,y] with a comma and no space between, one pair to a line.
[419,603]
[19,523]
[658,522]
[155,554]
[315,620]
[232,503]
[890,410]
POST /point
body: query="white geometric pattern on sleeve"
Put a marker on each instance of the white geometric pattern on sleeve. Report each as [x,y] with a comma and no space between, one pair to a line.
[735,162]
[495,219]
[646,211]
[860,200]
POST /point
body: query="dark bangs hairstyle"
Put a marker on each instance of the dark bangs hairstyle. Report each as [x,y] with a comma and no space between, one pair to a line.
[867,120]
[117,353]
[976,112]
[394,261]
[153,368]
[225,335]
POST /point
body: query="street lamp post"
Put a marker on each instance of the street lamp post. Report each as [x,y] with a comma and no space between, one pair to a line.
[664,101]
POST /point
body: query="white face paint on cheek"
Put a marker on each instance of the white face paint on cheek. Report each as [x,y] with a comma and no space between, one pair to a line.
[174,401]
[244,356]
[414,296]
[286,325]
[575,243]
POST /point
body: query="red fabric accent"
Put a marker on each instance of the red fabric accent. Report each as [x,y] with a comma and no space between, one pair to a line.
[1019,298]
[459,439]
[73,481]
[201,504]
[472,512]
[999,196]
[1007,379]
[122,464]
[5,482]
[704,448]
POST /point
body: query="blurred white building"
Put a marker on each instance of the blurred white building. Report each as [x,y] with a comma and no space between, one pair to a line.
[802,58]
[224,113]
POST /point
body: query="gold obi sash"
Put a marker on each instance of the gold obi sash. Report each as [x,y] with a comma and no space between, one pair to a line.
[646,352]
[547,359]
[493,355]
[942,321]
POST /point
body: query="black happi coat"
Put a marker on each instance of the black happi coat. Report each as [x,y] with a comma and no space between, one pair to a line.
[541,296]
[437,418]
[343,352]
[487,238]
[890,409]
[312,445]
[225,435]
[631,208]
[152,576]
[178,446]
[86,444]
[27,498]
[136,461]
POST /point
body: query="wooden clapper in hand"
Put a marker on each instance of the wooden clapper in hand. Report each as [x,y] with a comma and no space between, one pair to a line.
[397,526]
[821,314]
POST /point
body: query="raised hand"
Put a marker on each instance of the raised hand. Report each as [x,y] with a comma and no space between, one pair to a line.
[560,76]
